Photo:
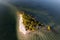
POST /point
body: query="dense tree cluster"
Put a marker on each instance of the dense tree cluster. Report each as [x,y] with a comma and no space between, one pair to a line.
[31,23]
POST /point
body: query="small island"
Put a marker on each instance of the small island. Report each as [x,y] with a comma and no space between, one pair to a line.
[31,23]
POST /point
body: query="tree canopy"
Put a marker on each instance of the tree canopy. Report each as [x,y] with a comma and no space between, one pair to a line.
[30,22]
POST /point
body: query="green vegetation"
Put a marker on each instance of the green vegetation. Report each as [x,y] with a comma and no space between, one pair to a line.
[30,22]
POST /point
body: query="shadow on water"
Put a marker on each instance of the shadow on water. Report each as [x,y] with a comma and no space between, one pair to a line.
[7,23]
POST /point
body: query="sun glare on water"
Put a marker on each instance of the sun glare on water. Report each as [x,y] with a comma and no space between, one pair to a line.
[21,25]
